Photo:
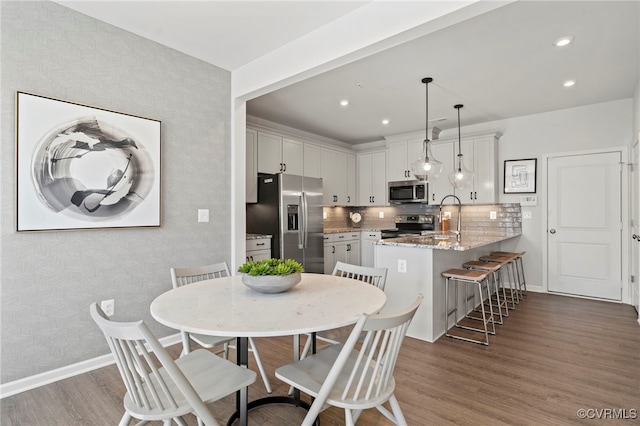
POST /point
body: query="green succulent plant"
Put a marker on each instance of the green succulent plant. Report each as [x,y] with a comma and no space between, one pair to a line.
[271,267]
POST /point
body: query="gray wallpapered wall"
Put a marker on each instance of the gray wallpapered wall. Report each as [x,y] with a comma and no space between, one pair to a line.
[49,279]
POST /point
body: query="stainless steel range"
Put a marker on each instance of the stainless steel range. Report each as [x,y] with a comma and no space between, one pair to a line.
[411,225]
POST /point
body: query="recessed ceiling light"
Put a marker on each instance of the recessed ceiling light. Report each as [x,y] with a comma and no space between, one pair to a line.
[563,41]
[569,83]
[344,102]
[385,122]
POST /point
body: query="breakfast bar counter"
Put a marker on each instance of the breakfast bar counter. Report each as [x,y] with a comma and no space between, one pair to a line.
[415,265]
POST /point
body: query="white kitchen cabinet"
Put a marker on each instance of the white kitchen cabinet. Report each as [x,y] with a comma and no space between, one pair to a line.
[341,247]
[334,166]
[480,156]
[258,249]
[372,179]
[351,180]
[367,247]
[400,156]
[278,154]
[312,164]
[251,166]
[443,152]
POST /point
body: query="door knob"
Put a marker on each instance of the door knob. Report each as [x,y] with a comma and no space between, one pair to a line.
[552,231]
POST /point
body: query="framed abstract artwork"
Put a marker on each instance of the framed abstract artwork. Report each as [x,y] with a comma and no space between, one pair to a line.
[520,176]
[82,167]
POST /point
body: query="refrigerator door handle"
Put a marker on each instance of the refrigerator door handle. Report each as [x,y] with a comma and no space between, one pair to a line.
[304,227]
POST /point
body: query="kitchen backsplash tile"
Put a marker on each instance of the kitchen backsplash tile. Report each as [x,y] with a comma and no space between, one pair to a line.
[475,218]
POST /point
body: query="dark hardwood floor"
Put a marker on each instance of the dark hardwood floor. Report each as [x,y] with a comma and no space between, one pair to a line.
[553,357]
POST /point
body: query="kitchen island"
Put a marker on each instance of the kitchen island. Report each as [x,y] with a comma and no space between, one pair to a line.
[415,265]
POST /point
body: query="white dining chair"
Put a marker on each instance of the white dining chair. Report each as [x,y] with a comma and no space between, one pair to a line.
[184,276]
[351,379]
[159,388]
[370,275]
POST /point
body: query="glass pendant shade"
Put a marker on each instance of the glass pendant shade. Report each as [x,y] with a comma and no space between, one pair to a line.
[426,168]
[460,177]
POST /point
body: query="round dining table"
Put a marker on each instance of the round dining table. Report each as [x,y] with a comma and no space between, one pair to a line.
[226,307]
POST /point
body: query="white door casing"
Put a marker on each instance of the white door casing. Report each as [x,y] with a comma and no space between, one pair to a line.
[635,228]
[584,225]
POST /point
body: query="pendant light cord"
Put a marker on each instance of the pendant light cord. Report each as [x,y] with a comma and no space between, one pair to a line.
[426,82]
[459,144]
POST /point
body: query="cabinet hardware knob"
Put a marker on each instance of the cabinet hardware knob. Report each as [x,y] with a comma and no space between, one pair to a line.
[636,237]
[552,231]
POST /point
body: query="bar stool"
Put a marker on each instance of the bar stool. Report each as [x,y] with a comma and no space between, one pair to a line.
[519,263]
[514,275]
[468,276]
[505,265]
[493,268]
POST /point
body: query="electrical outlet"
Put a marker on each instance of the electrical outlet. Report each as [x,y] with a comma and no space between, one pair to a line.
[381,215]
[526,214]
[203,215]
[108,307]
[402,266]
[493,215]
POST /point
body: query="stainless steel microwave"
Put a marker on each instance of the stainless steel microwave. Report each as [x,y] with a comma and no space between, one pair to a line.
[408,192]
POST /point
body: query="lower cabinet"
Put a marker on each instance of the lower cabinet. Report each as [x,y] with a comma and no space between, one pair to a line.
[343,247]
[367,248]
[258,249]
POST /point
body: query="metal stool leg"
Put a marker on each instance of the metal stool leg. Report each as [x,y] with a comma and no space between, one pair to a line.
[464,277]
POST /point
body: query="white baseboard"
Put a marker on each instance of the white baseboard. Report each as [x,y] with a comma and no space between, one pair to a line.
[32,382]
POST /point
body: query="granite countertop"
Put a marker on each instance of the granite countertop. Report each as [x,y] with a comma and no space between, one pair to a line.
[347,229]
[257,236]
[467,242]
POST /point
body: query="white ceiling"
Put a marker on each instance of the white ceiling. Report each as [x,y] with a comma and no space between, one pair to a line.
[500,64]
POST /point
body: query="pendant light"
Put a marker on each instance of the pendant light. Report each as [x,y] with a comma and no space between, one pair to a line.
[426,168]
[460,177]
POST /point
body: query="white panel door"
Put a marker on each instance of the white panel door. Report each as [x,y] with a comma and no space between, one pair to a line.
[584,225]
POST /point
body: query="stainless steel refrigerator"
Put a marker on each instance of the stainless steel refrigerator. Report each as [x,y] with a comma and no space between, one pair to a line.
[289,208]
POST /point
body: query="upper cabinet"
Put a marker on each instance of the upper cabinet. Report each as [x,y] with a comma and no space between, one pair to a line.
[312,166]
[400,156]
[277,154]
[352,192]
[480,155]
[335,177]
[372,179]
[252,166]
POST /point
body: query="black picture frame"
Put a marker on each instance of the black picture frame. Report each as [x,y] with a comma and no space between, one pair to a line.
[520,176]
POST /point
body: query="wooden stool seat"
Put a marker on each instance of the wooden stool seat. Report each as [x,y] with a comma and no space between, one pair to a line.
[483,266]
[508,253]
[465,274]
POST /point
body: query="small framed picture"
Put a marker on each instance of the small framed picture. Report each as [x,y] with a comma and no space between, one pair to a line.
[520,176]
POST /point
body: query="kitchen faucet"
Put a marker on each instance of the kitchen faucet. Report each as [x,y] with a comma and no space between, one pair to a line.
[458,233]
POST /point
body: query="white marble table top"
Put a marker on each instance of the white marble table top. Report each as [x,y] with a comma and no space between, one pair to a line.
[226,307]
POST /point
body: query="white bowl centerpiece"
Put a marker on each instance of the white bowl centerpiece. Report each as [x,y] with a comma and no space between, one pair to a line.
[271,275]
